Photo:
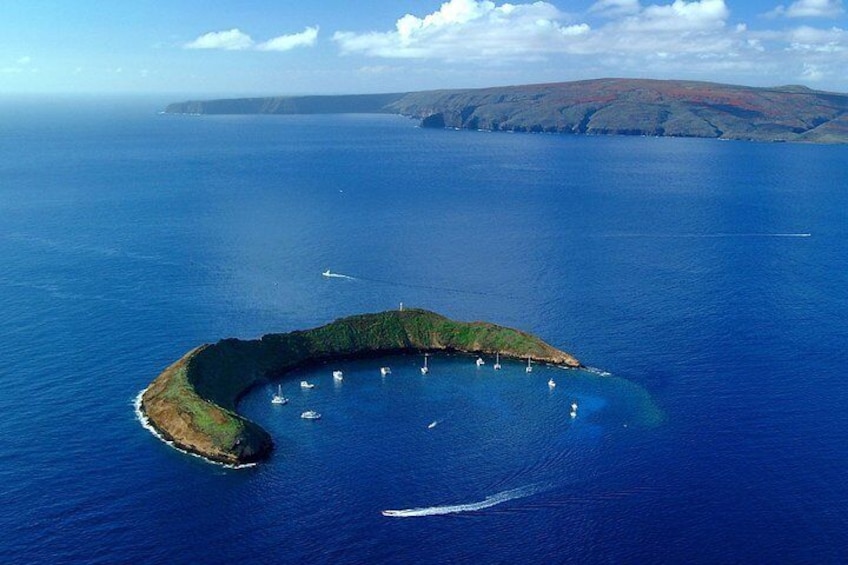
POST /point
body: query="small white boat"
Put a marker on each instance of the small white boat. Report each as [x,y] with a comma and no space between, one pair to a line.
[279,398]
[385,371]
[305,384]
[574,407]
[480,362]
[432,424]
[310,415]
[529,367]
[327,273]
[338,376]
[551,383]
[425,369]
[573,414]
[497,365]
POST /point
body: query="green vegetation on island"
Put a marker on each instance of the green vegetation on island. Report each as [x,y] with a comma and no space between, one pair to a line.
[595,107]
[193,402]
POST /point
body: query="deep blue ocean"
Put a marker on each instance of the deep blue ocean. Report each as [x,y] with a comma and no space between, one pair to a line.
[708,278]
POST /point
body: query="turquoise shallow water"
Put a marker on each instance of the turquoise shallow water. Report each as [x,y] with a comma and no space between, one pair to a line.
[127,238]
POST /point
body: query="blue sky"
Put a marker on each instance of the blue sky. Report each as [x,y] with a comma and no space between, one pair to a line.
[212,48]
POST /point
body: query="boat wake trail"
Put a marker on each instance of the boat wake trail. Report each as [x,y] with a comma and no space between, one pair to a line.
[703,235]
[330,275]
[437,288]
[487,502]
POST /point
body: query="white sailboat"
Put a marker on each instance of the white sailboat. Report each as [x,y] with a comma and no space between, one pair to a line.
[497,365]
[279,398]
[529,367]
[425,369]
[338,376]
[551,383]
[480,362]
[306,384]
[385,371]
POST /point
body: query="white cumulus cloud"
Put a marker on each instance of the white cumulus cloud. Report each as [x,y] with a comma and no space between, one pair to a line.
[659,38]
[236,40]
[810,9]
[615,8]
[481,29]
[306,38]
[231,40]
[469,30]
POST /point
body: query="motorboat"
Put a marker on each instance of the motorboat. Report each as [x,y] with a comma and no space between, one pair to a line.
[385,371]
[551,383]
[574,407]
[306,384]
[327,273]
[432,424]
[573,414]
[338,376]
[310,415]
[497,365]
[279,398]
[480,362]
[425,369]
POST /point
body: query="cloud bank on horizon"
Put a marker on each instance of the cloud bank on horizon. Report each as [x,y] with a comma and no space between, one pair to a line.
[333,47]
[613,37]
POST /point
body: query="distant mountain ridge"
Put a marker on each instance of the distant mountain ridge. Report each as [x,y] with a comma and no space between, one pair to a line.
[595,107]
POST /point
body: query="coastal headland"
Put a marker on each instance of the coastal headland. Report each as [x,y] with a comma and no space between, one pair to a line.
[193,403]
[609,106]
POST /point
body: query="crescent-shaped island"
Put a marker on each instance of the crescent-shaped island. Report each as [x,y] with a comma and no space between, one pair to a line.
[192,404]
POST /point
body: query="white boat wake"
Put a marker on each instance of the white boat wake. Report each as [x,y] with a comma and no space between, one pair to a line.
[331,275]
[487,502]
[703,235]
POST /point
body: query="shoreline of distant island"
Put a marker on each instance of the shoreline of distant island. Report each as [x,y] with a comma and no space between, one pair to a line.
[609,106]
[192,404]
